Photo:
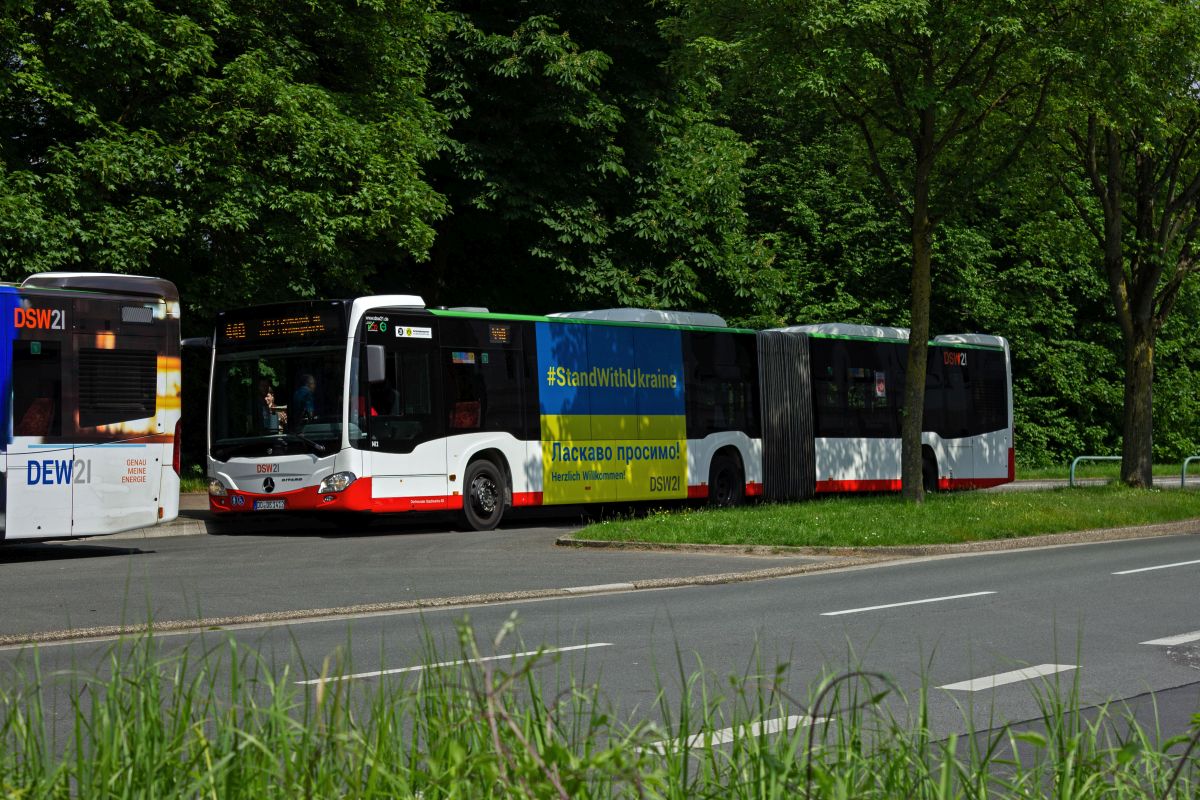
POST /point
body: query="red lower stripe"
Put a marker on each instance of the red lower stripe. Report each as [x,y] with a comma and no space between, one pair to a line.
[894,485]
[951,484]
[356,498]
[698,492]
[885,485]
[527,498]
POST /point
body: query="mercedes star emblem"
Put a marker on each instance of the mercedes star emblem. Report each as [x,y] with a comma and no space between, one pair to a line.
[268,485]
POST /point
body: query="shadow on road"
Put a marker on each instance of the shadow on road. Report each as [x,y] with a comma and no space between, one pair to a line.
[25,552]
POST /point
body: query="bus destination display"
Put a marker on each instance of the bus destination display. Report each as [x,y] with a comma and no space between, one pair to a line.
[295,325]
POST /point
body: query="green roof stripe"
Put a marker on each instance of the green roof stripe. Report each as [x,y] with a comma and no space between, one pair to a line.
[443,312]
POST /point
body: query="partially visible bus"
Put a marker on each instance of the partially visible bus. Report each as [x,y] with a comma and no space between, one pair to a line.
[91,384]
[380,404]
[857,375]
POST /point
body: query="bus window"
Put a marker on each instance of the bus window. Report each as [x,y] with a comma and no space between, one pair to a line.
[483,390]
[37,389]
[721,373]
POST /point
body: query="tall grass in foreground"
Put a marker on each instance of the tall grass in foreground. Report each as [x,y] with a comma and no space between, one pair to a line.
[226,726]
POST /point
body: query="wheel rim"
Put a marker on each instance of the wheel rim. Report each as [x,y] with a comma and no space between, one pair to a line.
[724,487]
[483,495]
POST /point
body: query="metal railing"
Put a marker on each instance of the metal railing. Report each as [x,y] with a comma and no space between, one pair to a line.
[1075,463]
[1183,472]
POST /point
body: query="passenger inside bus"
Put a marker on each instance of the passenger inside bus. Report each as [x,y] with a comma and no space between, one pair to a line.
[265,414]
[302,408]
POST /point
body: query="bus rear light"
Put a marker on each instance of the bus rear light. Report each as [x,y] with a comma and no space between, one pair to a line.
[337,482]
[177,447]
[216,488]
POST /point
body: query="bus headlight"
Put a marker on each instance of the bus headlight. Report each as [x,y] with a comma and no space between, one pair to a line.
[337,482]
[216,488]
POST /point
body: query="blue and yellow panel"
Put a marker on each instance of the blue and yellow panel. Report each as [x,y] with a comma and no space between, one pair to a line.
[612,413]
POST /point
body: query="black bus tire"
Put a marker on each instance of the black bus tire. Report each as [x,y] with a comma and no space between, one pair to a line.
[726,486]
[484,492]
[929,473]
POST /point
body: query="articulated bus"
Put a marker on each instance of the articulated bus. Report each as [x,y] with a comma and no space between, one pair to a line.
[380,404]
[91,392]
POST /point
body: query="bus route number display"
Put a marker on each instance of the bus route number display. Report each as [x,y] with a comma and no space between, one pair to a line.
[288,326]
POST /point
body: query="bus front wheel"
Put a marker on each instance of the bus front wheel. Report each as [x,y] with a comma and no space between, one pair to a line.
[483,501]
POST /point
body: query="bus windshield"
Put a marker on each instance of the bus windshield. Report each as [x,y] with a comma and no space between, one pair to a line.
[277,401]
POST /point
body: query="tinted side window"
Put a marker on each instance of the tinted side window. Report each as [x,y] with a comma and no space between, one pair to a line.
[483,390]
[720,380]
[484,375]
[858,388]
[37,389]
[990,391]
[966,392]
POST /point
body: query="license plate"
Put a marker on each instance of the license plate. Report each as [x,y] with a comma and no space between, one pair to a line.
[277,504]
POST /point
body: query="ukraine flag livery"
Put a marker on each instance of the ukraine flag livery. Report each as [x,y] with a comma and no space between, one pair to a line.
[611,406]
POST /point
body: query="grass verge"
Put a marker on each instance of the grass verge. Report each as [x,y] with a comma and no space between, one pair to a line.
[1109,470]
[888,520]
[233,726]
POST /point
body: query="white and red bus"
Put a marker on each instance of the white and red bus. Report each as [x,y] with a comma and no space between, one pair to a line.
[380,404]
[91,390]
[857,378]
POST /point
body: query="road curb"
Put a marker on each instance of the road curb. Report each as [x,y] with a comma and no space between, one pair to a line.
[1188,526]
[178,527]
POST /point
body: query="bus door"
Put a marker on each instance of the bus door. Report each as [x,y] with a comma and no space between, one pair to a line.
[403,417]
[41,466]
[957,418]
[118,459]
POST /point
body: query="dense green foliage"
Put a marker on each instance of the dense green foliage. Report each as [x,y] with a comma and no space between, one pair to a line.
[542,155]
[246,150]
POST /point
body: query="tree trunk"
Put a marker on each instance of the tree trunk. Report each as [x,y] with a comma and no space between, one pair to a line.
[911,472]
[911,487]
[1137,450]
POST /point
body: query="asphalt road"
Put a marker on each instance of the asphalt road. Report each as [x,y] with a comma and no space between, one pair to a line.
[1118,621]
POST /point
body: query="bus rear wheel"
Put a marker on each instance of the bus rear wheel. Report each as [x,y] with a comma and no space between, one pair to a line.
[929,473]
[483,500]
[726,486]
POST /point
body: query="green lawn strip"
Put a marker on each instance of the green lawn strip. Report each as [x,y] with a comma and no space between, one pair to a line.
[1099,469]
[887,520]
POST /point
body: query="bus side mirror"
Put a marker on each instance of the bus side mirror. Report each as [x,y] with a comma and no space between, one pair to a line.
[376,369]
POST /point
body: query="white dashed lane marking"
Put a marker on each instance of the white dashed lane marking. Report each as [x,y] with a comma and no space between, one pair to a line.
[379,673]
[1160,566]
[905,603]
[1171,641]
[726,735]
[1003,678]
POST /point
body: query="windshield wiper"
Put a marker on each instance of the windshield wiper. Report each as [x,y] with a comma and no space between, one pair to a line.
[223,452]
[317,447]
